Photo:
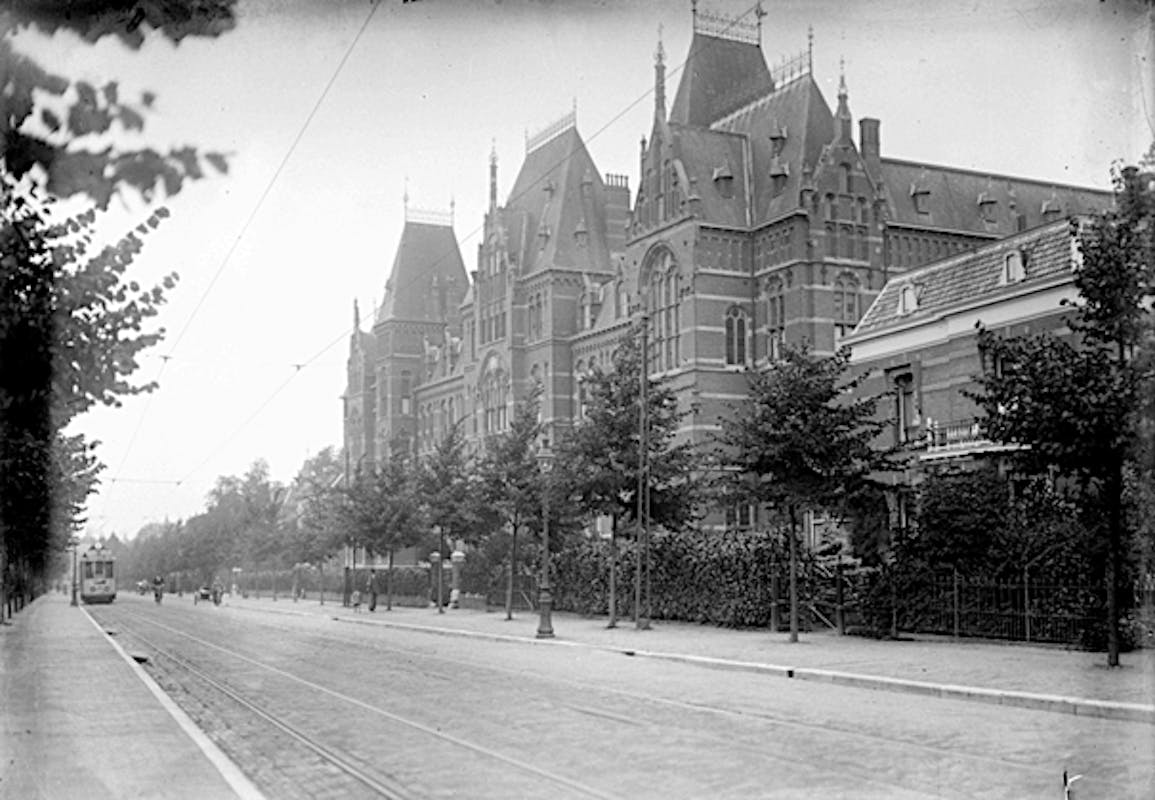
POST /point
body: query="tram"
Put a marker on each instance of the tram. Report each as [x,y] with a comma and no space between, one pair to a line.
[97,576]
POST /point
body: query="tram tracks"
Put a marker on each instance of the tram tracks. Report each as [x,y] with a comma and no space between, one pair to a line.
[339,758]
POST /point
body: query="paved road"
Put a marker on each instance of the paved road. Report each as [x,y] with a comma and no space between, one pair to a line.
[451,717]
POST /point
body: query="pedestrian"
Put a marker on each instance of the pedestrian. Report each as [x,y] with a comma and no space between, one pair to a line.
[371,588]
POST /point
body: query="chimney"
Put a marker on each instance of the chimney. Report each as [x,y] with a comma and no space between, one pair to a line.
[868,145]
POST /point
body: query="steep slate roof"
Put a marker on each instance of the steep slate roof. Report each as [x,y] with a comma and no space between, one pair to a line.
[557,190]
[701,152]
[953,199]
[720,75]
[425,252]
[967,277]
[799,109]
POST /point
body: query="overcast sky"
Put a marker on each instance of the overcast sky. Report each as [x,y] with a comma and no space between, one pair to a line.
[272,256]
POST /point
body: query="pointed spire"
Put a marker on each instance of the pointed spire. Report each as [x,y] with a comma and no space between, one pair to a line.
[810,50]
[493,176]
[356,317]
[660,79]
[843,114]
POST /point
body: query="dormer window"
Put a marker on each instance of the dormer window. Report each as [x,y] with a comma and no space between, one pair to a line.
[987,206]
[724,181]
[1051,209]
[1013,270]
[908,299]
[777,138]
[581,234]
[920,194]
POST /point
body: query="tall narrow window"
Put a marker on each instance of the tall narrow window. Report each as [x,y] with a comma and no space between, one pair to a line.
[406,392]
[735,336]
[846,306]
[905,422]
[665,324]
[775,318]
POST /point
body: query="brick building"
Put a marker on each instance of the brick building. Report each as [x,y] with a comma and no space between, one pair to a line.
[759,218]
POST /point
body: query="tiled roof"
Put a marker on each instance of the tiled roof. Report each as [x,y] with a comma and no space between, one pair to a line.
[1045,251]
[425,254]
[558,192]
[705,153]
[720,75]
[798,110]
[962,200]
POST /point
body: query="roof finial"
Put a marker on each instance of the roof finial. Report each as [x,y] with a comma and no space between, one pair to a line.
[405,197]
[841,76]
[452,209]
[660,79]
[694,8]
[759,12]
[810,49]
[356,316]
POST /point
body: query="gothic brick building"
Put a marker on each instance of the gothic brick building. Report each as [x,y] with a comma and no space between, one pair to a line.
[759,218]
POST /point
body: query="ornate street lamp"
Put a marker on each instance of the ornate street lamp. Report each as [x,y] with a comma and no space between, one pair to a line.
[545,593]
[436,559]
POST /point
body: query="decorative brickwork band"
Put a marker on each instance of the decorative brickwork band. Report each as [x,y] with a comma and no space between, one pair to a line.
[551,132]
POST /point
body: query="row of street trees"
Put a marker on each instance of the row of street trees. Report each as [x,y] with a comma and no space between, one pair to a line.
[71,322]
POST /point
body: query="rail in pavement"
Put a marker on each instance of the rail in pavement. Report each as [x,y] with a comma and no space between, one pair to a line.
[1062,681]
[82,719]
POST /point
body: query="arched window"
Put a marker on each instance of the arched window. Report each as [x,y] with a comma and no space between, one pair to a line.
[663,301]
[775,318]
[493,389]
[1013,270]
[907,299]
[736,336]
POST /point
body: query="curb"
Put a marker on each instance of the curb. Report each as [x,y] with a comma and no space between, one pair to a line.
[1082,707]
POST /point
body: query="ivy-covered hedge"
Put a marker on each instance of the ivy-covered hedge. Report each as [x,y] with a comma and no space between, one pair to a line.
[697,576]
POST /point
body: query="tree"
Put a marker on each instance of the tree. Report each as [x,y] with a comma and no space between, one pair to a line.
[451,498]
[62,139]
[599,460]
[383,507]
[511,478]
[1073,401]
[801,442]
[45,114]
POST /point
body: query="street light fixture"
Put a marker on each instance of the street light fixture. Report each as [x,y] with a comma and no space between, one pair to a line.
[545,591]
[436,559]
[642,535]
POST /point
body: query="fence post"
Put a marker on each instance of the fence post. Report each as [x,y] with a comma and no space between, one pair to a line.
[1027,603]
[774,620]
[955,603]
[839,599]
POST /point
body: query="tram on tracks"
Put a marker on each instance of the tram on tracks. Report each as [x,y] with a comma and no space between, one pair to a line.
[97,576]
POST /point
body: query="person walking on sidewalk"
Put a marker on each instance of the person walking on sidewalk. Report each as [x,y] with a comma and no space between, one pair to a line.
[371,589]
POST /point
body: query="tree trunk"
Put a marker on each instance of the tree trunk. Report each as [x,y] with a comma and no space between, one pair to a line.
[389,583]
[512,572]
[1114,497]
[613,599]
[793,574]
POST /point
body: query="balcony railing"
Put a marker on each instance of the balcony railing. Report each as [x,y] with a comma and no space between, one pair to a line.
[958,437]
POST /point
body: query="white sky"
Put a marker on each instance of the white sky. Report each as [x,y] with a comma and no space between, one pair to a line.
[1052,89]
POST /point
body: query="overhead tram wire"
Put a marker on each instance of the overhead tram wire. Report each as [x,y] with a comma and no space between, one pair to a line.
[436,262]
[373,4]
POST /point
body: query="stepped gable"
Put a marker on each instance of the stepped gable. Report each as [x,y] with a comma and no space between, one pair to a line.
[427,259]
[558,192]
[721,74]
[974,277]
[930,195]
[798,112]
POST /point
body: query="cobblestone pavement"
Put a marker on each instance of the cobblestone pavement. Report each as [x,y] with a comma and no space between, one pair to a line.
[471,717]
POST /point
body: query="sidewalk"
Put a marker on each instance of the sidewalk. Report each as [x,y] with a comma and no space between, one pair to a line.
[79,718]
[1039,677]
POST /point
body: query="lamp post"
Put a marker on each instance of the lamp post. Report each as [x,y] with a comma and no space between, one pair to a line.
[73,542]
[642,539]
[545,591]
[436,559]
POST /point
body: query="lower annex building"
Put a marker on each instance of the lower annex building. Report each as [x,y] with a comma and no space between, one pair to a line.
[758,218]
